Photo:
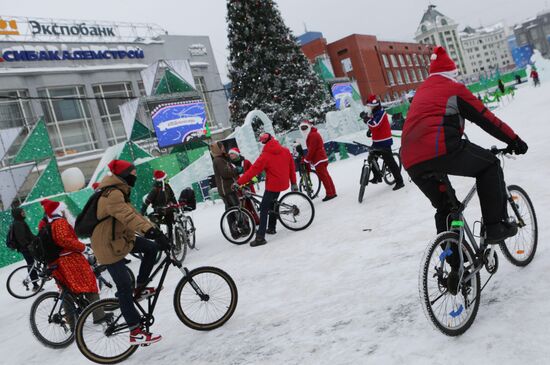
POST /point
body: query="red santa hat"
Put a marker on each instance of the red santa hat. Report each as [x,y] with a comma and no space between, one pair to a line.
[441,62]
[95,185]
[234,151]
[121,168]
[159,175]
[265,137]
[373,101]
[51,208]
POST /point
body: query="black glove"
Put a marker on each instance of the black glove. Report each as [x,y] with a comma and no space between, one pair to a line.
[159,237]
[369,133]
[364,116]
[518,146]
[239,169]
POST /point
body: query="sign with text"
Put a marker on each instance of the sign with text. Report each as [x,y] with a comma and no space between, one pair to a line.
[178,122]
[341,89]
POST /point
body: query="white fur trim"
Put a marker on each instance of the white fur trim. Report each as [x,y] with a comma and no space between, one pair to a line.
[451,75]
[433,57]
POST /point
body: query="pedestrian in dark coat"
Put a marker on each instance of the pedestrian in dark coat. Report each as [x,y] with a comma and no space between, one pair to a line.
[23,238]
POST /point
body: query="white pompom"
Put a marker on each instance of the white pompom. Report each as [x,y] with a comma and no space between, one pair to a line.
[433,57]
[73,179]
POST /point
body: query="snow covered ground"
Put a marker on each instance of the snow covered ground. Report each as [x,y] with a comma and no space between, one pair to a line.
[338,294]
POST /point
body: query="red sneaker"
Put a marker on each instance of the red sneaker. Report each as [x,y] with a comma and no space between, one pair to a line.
[144,293]
[139,337]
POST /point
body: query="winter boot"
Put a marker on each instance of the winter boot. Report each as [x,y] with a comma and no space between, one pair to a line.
[327,198]
[498,232]
[271,231]
[259,241]
[398,185]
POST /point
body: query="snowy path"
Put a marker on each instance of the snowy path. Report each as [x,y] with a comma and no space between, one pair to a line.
[335,294]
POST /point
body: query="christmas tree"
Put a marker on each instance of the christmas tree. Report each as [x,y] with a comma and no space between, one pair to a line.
[268,70]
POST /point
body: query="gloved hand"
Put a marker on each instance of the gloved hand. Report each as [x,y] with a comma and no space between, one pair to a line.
[294,188]
[364,116]
[235,187]
[159,237]
[369,133]
[518,146]
[239,169]
[255,180]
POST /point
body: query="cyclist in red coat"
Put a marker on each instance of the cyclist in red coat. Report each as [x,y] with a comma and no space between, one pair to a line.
[432,143]
[317,157]
[278,165]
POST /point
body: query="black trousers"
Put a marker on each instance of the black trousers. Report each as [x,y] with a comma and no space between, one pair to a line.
[267,205]
[468,160]
[387,156]
[231,200]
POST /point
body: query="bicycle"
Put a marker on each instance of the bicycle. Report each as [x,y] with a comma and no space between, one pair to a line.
[450,298]
[309,183]
[204,299]
[53,314]
[294,210]
[20,285]
[370,165]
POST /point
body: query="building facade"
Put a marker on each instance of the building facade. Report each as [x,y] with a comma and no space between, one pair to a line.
[438,29]
[387,69]
[76,73]
[486,49]
[535,32]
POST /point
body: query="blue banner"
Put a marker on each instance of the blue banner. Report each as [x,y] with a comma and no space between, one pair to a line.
[340,89]
[178,122]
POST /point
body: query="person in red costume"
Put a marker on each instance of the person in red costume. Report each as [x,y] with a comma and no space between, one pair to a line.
[432,143]
[317,157]
[278,165]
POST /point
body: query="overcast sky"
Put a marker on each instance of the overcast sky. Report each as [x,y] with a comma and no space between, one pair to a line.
[390,19]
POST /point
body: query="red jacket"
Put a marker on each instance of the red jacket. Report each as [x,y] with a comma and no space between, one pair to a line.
[534,74]
[380,128]
[73,269]
[435,121]
[278,164]
[315,148]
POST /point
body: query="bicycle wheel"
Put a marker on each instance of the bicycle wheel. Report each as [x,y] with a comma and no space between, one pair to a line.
[295,211]
[237,225]
[106,343]
[21,286]
[520,249]
[179,246]
[53,320]
[106,284]
[363,181]
[189,227]
[387,174]
[310,184]
[450,307]
[206,298]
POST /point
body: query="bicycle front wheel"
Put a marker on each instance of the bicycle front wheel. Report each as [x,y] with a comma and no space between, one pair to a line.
[206,298]
[363,181]
[520,249]
[179,247]
[295,211]
[108,342]
[20,284]
[189,227]
[449,302]
[53,320]
[237,225]
[310,184]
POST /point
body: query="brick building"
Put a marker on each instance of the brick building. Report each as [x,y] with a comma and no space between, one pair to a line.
[384,68]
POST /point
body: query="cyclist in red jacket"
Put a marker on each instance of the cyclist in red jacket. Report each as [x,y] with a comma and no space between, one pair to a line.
[278,165]
[317,157]
[432,143]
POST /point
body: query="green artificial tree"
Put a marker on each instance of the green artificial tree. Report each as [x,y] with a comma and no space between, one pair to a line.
[268,70]
[343,151]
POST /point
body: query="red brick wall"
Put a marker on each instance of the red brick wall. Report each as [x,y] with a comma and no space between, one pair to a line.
[315,49]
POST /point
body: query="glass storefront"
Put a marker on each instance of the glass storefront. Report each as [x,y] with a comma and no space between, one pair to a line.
[67,116]
[15,112]
[110,96]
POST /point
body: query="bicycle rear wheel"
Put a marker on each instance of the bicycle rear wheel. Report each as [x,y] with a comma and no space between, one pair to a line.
[451,306]
[363,181]
[237,225]
[387,174]
[189,227]
[21,286]
[106,343]
[520,249]
[179,247]
[206,298]
[310,184]
[295,211]
[53,320]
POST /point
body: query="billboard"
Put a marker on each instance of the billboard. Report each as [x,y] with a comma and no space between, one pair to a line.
[178,122]
[340,89]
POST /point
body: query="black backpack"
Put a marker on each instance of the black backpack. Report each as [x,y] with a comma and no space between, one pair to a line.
[87,219]
[42,248]
[187,196]
[10,239]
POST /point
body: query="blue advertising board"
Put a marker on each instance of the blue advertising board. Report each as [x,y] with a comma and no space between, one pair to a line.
[178,122]
[340,89]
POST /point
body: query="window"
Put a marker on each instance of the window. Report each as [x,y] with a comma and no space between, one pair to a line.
[391,81]
[407,79]
[415,59]
[201,87]
[399,78]
[419,73]
[424,73]
[15,112]
[68,120]
[409,60]
[401,60]
[393,61]
[385,60]
[108,109]
[413,76]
